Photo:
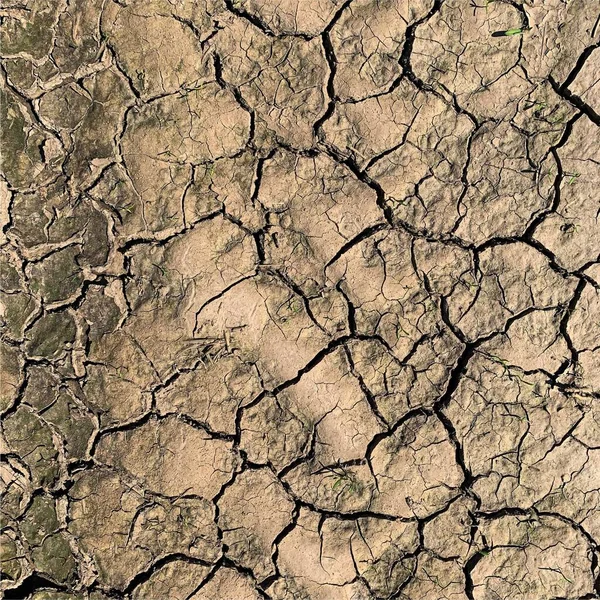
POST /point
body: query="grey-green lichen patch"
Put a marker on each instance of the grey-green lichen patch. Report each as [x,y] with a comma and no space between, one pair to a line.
[10,565]
[51,336]
[12,365]
[31,36]
[57,277]
[94,141]
[73,422]
[40,520]
[29,437]
[64,107]
[18,309]
[54,558]
[30,155]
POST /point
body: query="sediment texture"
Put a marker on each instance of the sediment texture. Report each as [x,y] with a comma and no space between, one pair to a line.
[300,299]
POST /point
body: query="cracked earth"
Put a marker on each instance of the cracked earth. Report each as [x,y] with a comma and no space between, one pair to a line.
[300,299]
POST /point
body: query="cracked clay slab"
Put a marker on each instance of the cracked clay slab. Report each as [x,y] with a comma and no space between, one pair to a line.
[300,299]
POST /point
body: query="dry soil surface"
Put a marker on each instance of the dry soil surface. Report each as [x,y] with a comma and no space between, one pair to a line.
[300,299]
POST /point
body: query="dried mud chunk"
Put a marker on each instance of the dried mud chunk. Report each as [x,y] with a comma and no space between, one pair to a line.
[124,532]
[253,511]
[382,551]
[273,433]
[505,189]
[202,124]
[102,308]
[515,435]
[61,407]
[176,282]
[369,128]
[211,393]
[94,140]
[316,208]
[282,79]
[331,401]
[401,386]
[512,278]
[367,42]
[171,457]
[177,580]
[264,320]
[54,557]
[339,488]
[16,489]
[118,385]
[20,72]
[415,470]
[423,175]
[437,579]
[40,520]
[114,396]
[74,423]
[572,233]
[64,107]
[292,16]
[560,32]
[11,279]
[389,299]
[30,438]
[532,557]
[476,67]
[161,54]
[533,342]
[16,311]
[78,40]
[227,583]
[315,561]
[29,221]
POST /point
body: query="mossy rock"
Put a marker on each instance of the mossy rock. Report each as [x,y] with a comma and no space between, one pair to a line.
[51,335]
[40,520]
[55,558]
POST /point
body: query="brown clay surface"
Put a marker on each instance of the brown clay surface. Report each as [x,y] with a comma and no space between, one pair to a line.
[300,299]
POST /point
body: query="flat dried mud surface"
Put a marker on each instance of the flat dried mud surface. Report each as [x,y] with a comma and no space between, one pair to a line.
[300,299]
